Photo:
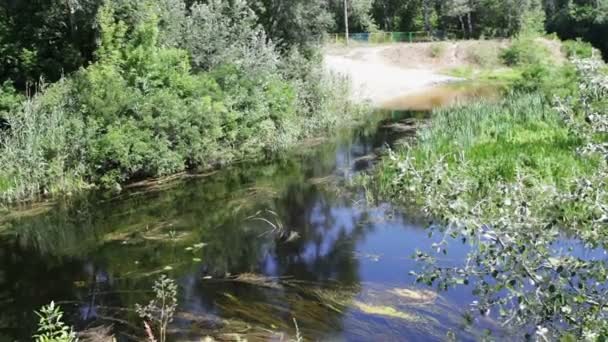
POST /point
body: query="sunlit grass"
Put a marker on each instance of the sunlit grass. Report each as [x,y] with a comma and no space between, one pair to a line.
[521,132]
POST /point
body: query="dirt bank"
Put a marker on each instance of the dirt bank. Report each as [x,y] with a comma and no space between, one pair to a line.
[381,73]
[374,78]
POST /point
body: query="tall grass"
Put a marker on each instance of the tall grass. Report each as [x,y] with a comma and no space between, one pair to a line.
[490,142]
[41,151]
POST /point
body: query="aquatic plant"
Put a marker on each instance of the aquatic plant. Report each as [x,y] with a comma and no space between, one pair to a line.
[158,313]
[51,327]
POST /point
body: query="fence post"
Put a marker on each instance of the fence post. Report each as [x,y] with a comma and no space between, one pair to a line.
[409,34]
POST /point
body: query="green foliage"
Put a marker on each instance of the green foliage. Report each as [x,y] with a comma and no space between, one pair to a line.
[160,310]
[577,49]
[518,133]
[43,151]
[511,179]
[302,24]
[45,38]
[10,100]
[145,109]
[525,50]
[51,327]
[580,20]
[221,32]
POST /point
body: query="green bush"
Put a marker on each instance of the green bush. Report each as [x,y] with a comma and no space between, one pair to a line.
[578,48]
[10,100]
[51,327]
[145,109]
[525,50]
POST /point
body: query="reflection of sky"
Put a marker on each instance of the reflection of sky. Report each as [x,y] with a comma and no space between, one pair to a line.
[343,220]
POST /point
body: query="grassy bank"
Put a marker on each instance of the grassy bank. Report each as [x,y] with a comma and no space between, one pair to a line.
[527,63]
[513,178]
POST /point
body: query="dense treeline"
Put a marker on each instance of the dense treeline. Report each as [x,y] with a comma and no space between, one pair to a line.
[570,19]
[51,38]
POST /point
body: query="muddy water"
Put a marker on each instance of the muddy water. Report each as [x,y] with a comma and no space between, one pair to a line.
[252,248]
[442,96]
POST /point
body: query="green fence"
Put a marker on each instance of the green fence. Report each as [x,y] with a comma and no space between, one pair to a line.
[393,37]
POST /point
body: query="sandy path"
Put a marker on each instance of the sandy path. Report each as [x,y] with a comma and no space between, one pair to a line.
[374,79]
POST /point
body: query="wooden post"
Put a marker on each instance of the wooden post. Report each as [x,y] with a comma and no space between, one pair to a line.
[346,19]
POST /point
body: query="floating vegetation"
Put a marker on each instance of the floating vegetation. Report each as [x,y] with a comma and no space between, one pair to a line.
[196,247]
[258,280]
[386,311]
[366,158]
[405,127]
[27,211]
[417,296]
[322,180]
[102,333]
[159,231]
[248,198]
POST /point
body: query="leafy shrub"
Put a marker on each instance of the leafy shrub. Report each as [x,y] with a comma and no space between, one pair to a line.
[51,327]
[160,310]
[10,99]
[525,50]
[577,48]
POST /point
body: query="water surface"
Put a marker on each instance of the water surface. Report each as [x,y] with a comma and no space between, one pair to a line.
[251,247]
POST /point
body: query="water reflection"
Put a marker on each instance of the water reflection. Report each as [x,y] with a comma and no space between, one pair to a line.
[252,247]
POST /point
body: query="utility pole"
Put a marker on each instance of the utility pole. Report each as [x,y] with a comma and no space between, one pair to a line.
[346,19]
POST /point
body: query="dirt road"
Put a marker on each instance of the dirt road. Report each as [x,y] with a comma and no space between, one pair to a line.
[375,79]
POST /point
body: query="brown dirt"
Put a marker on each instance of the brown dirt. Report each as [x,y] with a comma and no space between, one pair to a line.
[448,54]
[443,55]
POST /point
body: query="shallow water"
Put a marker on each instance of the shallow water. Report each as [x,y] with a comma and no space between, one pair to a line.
[442,96]
[251,247]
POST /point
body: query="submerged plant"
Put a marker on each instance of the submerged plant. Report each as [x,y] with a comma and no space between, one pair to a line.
[158,313]
[51,327]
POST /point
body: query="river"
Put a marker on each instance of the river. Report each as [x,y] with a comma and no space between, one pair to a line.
[252,248]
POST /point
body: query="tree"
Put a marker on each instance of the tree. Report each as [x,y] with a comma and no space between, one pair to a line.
[461,9]
[289,23]
[586,19]
[45,38]
[360,18]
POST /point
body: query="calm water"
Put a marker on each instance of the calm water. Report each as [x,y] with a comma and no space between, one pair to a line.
[335,264]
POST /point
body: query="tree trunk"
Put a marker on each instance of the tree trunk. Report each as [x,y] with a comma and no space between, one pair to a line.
[470,23]
[427,16]
[464,33]
[346,20]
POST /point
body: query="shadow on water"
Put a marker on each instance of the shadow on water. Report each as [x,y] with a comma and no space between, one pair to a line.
[335,264]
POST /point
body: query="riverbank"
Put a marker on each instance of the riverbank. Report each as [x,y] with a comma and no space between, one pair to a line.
[375,80]
[145,109]
[250,242]
[513,179]
[380,74]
